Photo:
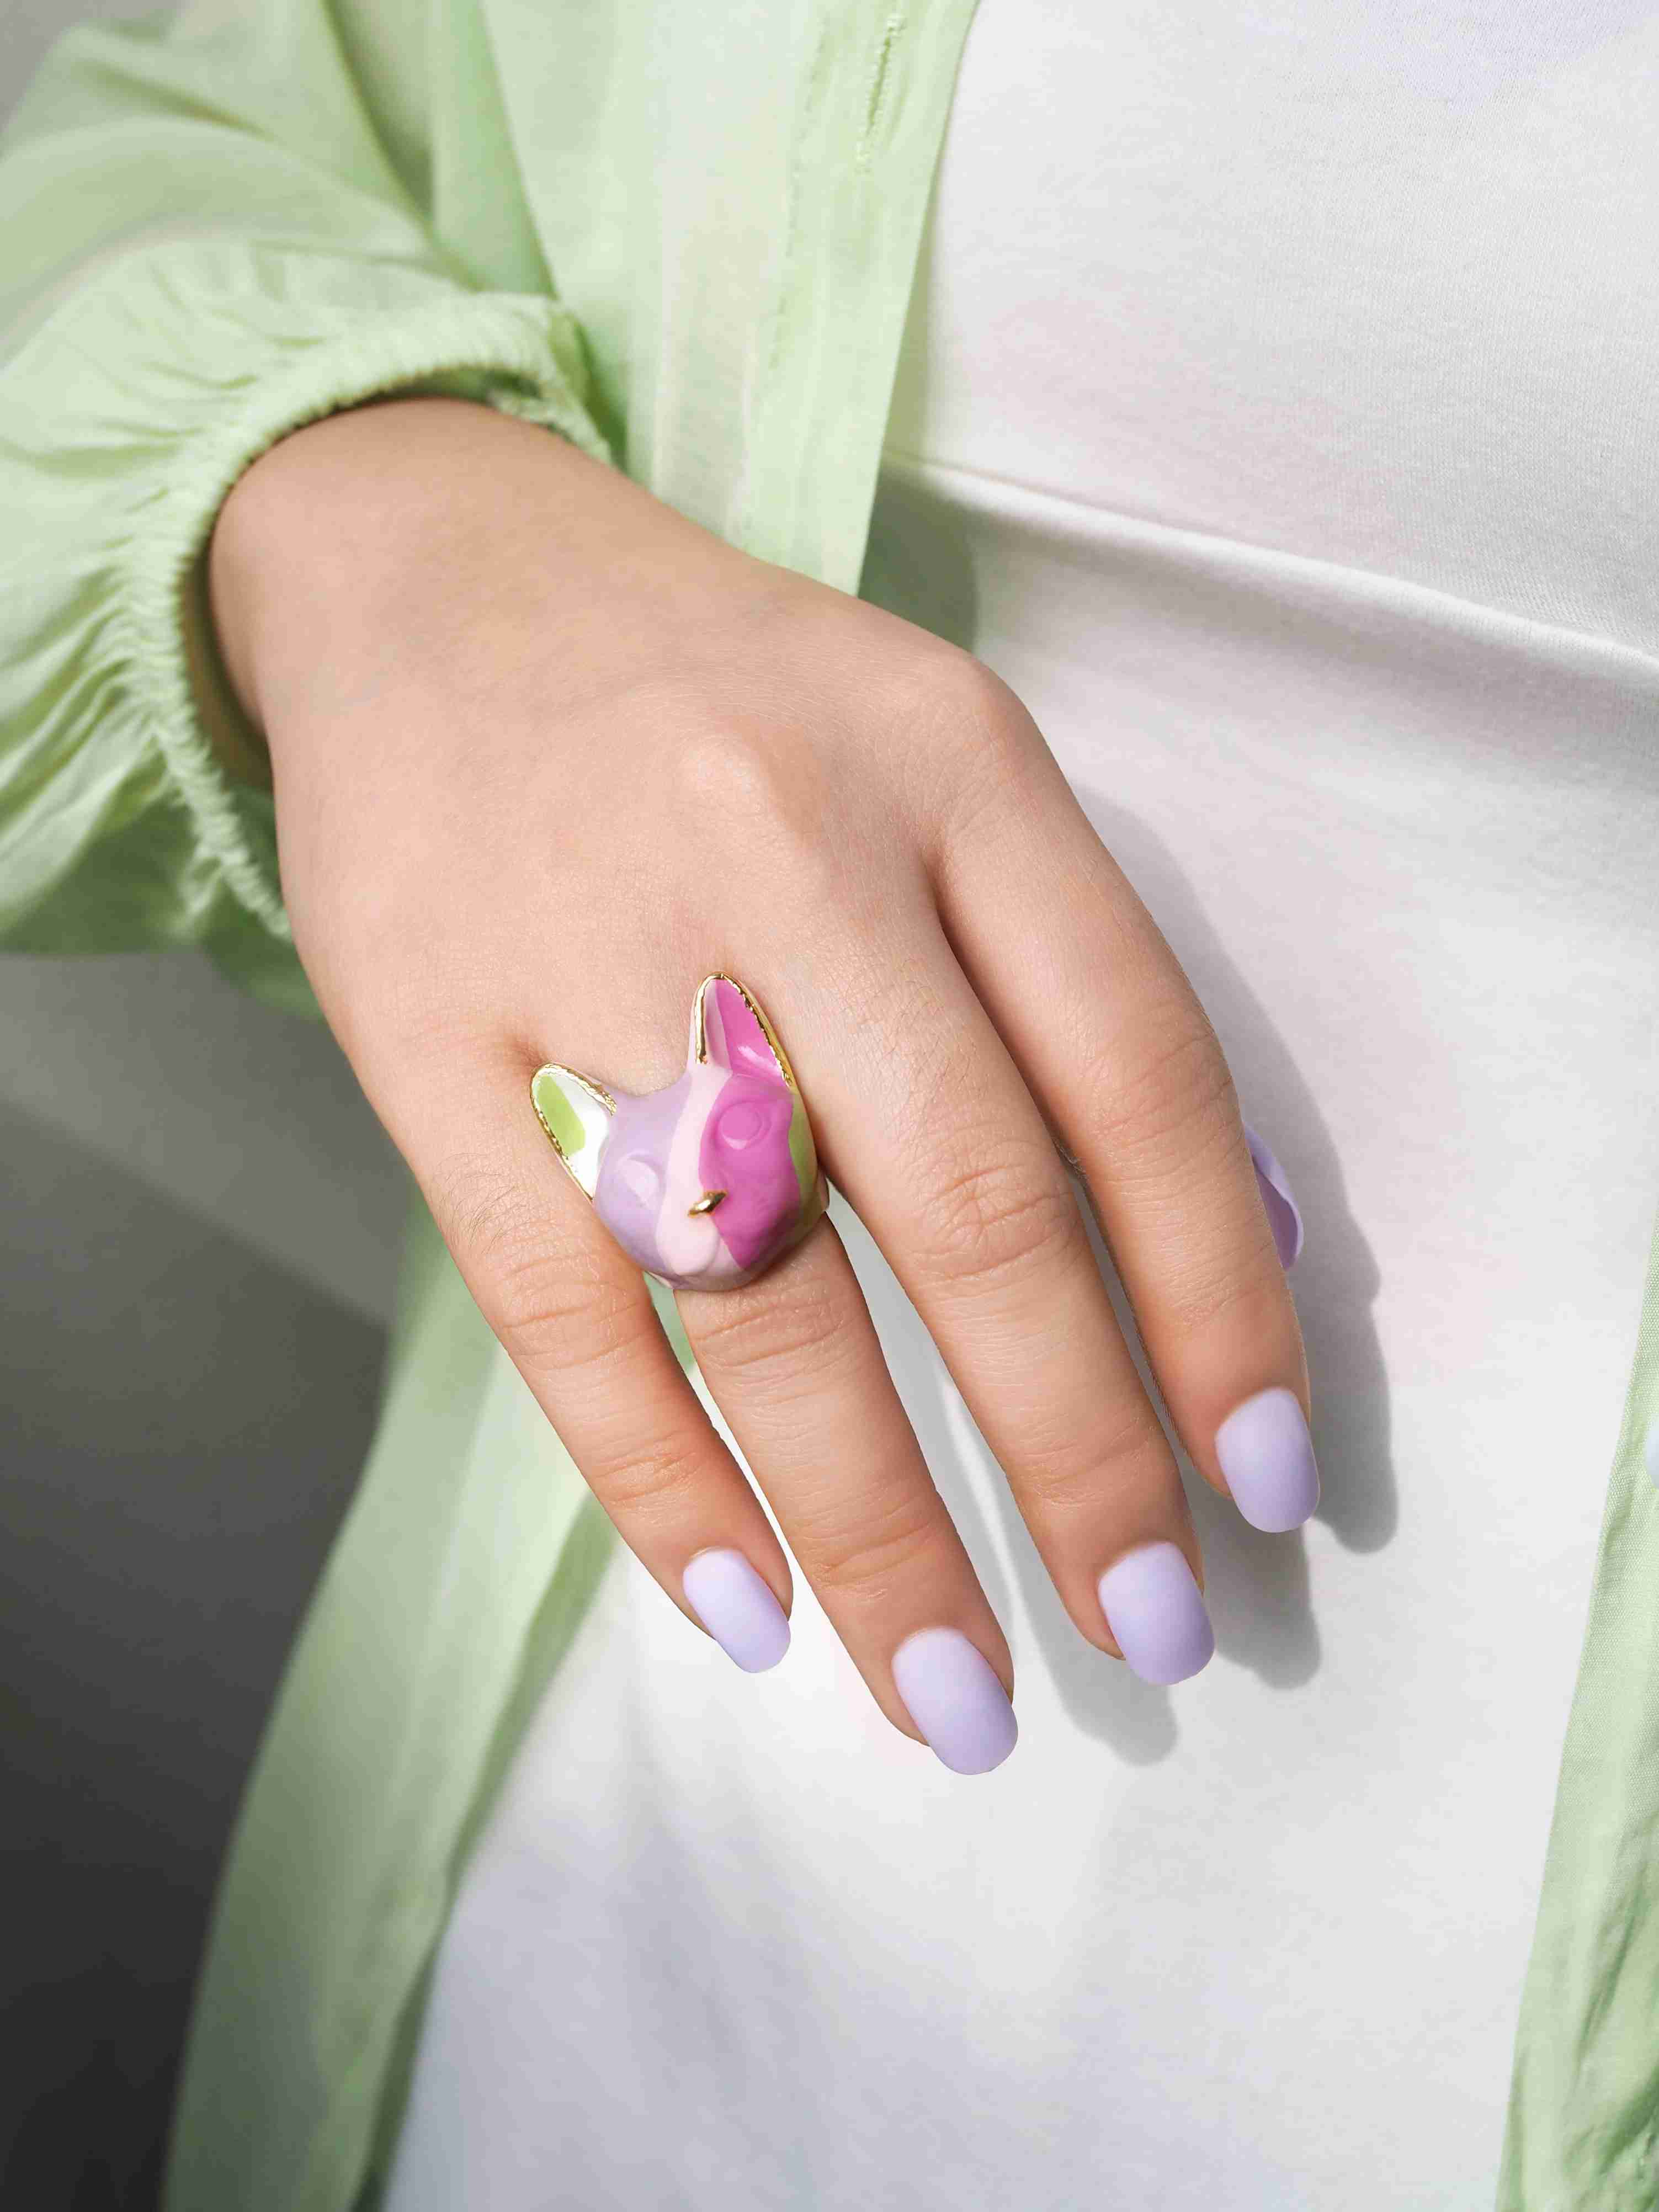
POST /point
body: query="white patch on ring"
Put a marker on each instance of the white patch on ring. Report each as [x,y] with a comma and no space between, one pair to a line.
[691,1243]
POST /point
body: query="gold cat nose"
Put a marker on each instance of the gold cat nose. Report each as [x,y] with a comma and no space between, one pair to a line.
[707,1203]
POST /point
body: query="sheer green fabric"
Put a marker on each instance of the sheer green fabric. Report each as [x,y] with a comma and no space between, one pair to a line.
[214,229]
[202,246]
[683,237]
[1583,2128]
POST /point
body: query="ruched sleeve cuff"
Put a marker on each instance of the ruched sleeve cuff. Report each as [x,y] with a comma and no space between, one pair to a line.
[134,800]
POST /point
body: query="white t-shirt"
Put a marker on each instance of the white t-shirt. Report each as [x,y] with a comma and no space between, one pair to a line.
[1275,415]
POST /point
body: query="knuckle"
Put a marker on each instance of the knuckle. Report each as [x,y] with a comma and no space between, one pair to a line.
[555,1316]
[554,1305]
[780,1331]
[1068,1476]
[978,703]
[1170,1098]
[654,1480]
[726,767]
[759,793]
[1227,1296]
[917,678]
[987,1219]
[866,1557]
[980,749]
[479,1209]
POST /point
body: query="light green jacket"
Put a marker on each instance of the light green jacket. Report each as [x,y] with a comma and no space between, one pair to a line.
[682,235]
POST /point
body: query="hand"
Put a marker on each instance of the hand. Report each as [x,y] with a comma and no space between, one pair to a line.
[545,753]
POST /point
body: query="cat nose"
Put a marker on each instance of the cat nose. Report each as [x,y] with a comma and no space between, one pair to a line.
[707,1203]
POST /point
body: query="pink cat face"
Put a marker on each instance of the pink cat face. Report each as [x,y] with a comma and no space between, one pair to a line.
[706,1182]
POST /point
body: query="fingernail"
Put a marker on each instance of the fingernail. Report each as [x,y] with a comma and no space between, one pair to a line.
[1284,1215]
[1268,1457]
[951,1693]
[738,1608]
[1154,1607]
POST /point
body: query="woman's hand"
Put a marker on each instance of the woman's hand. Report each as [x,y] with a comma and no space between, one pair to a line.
[546,754]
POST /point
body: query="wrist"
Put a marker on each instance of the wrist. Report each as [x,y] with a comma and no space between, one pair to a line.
[424,547]
[318,541]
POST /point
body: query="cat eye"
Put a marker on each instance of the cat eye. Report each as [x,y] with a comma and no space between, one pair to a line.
[742,1124]
[641,1178]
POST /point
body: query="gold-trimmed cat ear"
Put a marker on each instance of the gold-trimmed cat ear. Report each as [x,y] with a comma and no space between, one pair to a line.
[576,1112]
[729,1025]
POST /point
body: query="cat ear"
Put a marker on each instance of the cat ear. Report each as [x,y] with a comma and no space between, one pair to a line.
[729,1029]
[576,1114]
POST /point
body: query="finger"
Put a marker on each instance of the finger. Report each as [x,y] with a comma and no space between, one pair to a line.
[793,1361]
[575,1315]
[930,1132]
[1116,1047]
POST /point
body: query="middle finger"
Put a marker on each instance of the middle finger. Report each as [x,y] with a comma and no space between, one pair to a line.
[935,1139]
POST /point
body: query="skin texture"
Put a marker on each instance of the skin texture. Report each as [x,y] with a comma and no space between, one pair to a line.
[546,754]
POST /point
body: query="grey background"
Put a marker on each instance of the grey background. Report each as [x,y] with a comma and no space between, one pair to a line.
[197,1227]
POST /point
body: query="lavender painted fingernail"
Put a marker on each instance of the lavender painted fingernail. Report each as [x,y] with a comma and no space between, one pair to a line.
[952,1694]
[738,1608]
[1154,1607]
[1268,1457]
[1284,1215]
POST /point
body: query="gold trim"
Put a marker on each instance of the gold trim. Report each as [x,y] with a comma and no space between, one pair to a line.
[707,1203]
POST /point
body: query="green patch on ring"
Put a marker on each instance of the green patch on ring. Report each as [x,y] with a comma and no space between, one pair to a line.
[559,1117]
[805,1155]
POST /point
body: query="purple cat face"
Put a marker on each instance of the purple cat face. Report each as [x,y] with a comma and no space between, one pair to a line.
[706,1182]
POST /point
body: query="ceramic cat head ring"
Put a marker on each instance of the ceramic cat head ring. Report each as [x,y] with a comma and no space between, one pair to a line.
[704,1183]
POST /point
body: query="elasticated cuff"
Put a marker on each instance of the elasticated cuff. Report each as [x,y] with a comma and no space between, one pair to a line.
[132,411]
[515,353]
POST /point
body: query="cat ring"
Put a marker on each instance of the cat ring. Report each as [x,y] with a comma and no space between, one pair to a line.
[706,1183]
